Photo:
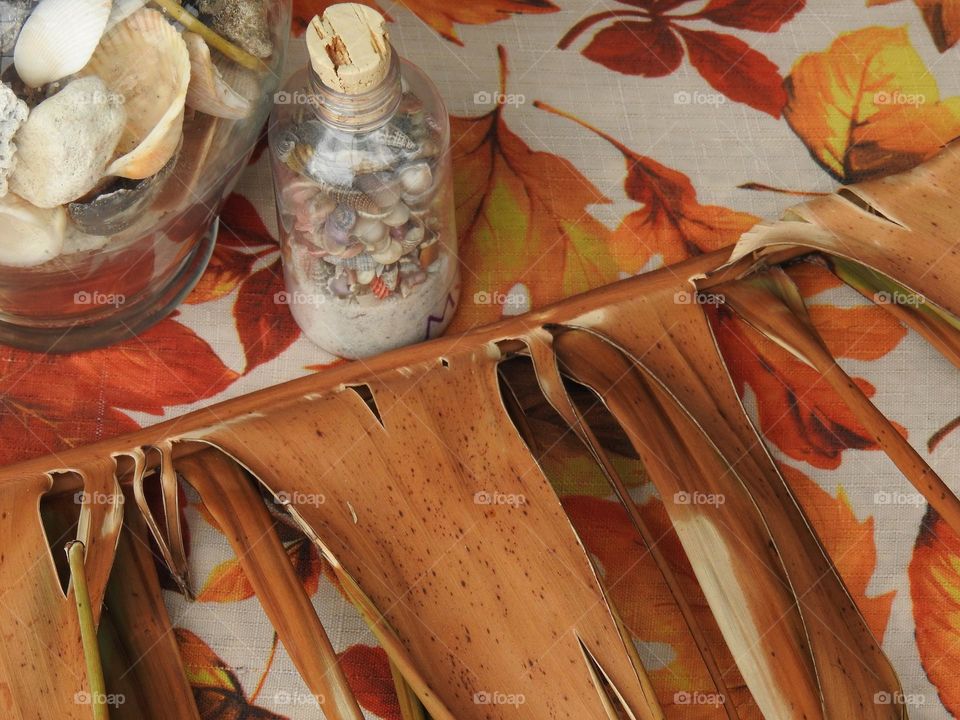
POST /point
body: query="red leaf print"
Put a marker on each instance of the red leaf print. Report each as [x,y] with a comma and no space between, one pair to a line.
[30,431]
[649,49]
[167,365]
[761,15]
[645,42]
[266,326]
[735,69]
[368,672]
[798,411]
[52,402]
[241,225]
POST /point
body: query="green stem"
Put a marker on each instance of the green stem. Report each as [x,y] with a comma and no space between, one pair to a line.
[88,632]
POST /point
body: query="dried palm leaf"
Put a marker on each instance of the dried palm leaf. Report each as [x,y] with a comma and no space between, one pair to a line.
[416,451]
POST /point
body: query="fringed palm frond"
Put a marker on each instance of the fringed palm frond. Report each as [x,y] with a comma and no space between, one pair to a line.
[443,529]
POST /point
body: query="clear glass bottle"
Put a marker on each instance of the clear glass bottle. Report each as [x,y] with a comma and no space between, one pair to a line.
[365,205]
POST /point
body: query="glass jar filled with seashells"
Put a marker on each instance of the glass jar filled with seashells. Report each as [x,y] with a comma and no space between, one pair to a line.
[123,126]
[360,143]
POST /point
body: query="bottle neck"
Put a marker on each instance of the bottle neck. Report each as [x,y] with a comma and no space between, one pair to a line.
[364,111]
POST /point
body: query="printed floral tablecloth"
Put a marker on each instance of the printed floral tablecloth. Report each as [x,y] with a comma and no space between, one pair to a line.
[596,140]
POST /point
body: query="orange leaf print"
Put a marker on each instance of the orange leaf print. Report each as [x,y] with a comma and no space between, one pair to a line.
[941,16]
[215,685]
[798,411]
[649,612]
[868,106]
[438,14]
[935,591]
[849,543]
[227,269]
[523,217]
[228,582]
[812,278]
[671,224]
[943,21]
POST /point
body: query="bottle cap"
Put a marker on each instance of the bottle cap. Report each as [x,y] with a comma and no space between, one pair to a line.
[349,48]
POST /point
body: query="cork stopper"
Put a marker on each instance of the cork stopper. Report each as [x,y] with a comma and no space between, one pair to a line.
[349,48]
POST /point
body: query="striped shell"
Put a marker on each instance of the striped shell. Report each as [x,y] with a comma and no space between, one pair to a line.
[363,262]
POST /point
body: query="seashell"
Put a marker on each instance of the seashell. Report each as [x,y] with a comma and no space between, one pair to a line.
[391,276]
[363,262]
[418,204]
[410,104]
[334,238]
[146,60]
[417,178]
[339,286]
[381,245]
[208,92]
[299,193]
[382,187]
[13,113]
[369,232]
[13,15]
[365,277]
[59,38]
[379,214]
[348,196]
[121,10]
[77,242]
[429,254]
[66,143]
[243,21]
[413,238]
[394,137]
[379,288]
[344,218]
[392,254]
[398,216]
[29,235]
[244,81]
[313,214]
[338,165]
[353,250]
[286,144]
[201,134]
[125,201]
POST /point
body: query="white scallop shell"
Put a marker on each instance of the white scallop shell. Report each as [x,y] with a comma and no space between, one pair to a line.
[398,216]
[59,38]
[209,92]
[391,255]
[146,60]
[369,231]
[64,146]
[122,9]
[29,235]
